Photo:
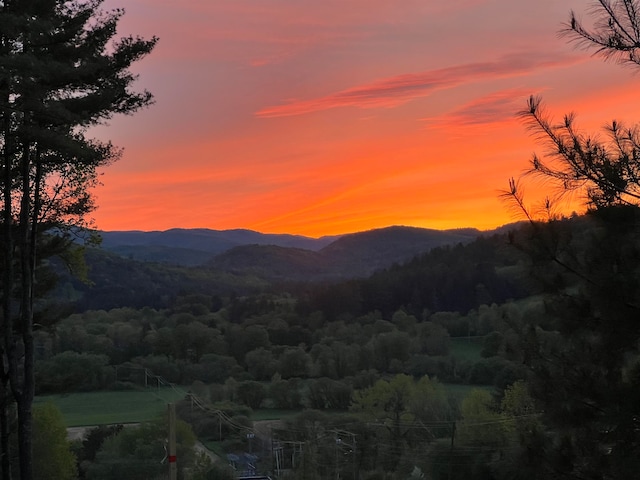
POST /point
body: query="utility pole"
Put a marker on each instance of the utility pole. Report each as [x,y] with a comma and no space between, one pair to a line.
[173,467]
[338,442]
[453,436]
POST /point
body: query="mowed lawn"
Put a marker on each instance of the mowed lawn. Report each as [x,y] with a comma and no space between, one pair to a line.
[104,408]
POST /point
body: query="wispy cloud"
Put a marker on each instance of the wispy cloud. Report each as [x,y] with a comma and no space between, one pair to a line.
[493,108]
[393,91]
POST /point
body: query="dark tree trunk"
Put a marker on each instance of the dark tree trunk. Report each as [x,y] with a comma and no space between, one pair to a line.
[5,452]
[23,386]
[6,249]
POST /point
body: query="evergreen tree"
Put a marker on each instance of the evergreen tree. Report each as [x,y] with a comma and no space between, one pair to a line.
[61,72]
[582,352]
[615,33]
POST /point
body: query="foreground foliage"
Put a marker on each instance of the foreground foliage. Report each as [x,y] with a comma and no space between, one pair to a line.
[139,452]
[54,459]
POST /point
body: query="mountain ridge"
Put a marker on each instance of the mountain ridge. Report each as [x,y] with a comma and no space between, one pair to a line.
[115,278]
[191,247]
[288,256]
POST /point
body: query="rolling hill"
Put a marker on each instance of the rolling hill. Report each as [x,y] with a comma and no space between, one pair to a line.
[350,256]
[149,268]
[196,246]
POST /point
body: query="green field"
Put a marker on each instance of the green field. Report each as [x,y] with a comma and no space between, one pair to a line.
[467,348]
[134,406]
[104,408]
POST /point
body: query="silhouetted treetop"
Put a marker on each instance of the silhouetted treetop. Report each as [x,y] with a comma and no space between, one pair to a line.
[615,33]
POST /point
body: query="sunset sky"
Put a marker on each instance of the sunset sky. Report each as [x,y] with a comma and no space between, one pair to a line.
[334,116]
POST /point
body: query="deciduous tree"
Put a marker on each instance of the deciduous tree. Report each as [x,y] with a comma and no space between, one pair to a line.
[53,458]
[405,412]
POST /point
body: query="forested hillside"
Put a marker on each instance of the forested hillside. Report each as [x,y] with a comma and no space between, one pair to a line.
[123,281]
[244,342]
[364,251]
[451,291]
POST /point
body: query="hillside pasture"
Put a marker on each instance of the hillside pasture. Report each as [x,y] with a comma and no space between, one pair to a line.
[112,407]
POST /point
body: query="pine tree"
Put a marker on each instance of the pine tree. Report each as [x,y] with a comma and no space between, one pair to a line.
[583,352]
[61,72]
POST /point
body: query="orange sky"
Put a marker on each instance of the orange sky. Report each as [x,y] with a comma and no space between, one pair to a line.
[335,116]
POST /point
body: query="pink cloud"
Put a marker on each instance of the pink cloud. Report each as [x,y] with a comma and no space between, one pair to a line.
[493,108]
[400,89]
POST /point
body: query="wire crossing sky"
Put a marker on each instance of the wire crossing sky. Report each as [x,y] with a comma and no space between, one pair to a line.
[338,116]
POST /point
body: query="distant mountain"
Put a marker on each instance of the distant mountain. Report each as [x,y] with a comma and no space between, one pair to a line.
[385,246]
[289,257]
[150,268]
[191,247]
[352,255]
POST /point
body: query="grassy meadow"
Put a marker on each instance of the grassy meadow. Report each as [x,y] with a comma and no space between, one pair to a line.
[109,407]
[135,406]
